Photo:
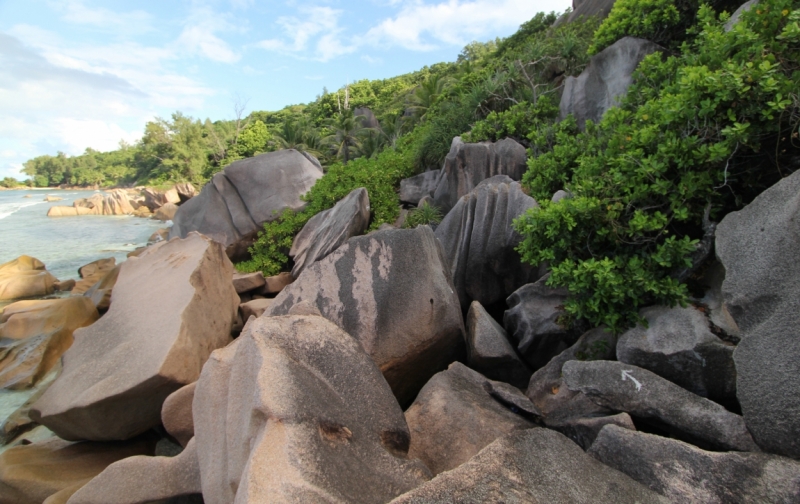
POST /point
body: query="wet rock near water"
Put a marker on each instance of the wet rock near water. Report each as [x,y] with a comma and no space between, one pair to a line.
[24,277]
[455,416]
[151,342]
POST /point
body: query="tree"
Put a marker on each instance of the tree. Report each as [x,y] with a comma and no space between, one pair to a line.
[346,131]
[426,94]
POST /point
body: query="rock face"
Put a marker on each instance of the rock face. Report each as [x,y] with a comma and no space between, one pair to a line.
[327,230]
[532,321]
[246,282]
[642,394]
[151,342]
[35,334]
[413,189]
[532,466]
[605,80]
[176,414]
[100,292]
[391,290]
[455,416]
[479,242]
[23,277]
[758,247]
[166,212]
[466,165]
[684,473]
[295,411]
[92,273]
[142,479]
[254,308]
[586,8]
[678,345]
[557,403]
[31,473]
[115,202]
[489,352]
[232,207]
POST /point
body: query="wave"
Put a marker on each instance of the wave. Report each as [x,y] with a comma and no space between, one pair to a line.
[7,209]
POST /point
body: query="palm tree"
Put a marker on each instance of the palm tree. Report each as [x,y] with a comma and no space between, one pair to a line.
[426,94]
[346,131]
[299,135]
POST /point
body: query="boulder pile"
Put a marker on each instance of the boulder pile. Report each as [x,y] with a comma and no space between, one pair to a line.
[403,366]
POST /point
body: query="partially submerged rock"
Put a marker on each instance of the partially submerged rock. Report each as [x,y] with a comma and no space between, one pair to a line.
[467,164]
[114,202]
[679,346]
[295,411]
[329,229]
[489,351]
[232,208]
[24,277]
[642,394]
[684,473]
[31,473]
[454,417]
[532,319]
[605,81]
[35,334]
[151,342]
[532,466]
[479,241]
[391,291]
[758,246]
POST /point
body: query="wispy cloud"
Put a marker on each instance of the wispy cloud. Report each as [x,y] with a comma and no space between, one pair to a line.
[77,12]
[199,35]
[316,36]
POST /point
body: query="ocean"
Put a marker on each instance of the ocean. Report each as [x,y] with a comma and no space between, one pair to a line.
[64,244]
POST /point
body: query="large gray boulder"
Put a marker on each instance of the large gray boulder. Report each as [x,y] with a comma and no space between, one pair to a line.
[455,416]
[295,411]
[327,230]
[679,346]
[489,351]
[546,389]
[390,290]
[532,466]
[758,246]
[479,241]
[532,320]
[232,207]
[587,8]
[413,189]
[173,305]
[605,80]
[467,164]
[642,394]
[684,473]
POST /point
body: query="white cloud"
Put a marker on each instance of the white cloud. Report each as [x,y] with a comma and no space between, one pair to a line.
[421,26]
[318,30]
[76,11]
[199,35]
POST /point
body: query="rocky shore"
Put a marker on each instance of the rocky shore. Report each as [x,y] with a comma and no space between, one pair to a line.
[404,365]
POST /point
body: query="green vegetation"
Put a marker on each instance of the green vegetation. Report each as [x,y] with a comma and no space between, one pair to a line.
[427,214]
[10,183]
[699,134]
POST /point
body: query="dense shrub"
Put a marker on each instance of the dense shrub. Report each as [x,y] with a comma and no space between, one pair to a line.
[682,146]
[515,122]
[379,175]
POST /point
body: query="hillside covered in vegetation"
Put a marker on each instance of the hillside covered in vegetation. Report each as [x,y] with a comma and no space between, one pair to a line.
[710,122]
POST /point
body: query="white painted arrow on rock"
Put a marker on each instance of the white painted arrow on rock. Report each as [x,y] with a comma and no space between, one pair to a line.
[626,373]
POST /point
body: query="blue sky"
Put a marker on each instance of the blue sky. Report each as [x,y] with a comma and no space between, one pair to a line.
[89,73]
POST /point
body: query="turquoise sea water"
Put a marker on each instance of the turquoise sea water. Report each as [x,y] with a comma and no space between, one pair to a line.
[64,244]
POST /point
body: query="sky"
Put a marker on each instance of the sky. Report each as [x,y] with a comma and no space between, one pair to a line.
[90,73]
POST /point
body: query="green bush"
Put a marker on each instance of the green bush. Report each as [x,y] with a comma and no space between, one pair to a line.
[427,214]
[515,122]
[379,175]
[660,21]
[685,141]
